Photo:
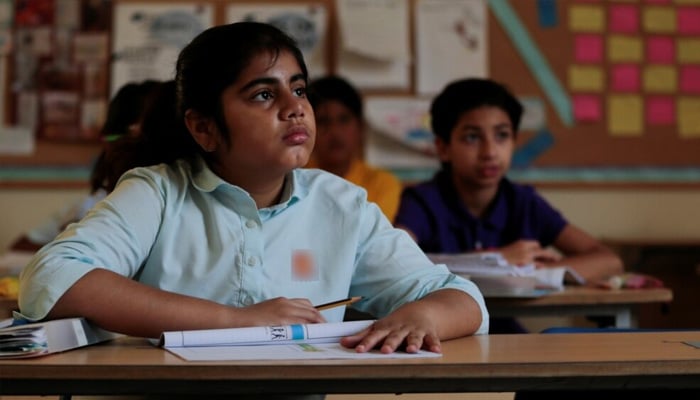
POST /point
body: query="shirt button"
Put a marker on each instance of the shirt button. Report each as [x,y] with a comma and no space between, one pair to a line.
[252,261]
[247,301]
[251,224]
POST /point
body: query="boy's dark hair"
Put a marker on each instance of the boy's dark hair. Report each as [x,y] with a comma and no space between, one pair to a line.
[330,88]
[468,94]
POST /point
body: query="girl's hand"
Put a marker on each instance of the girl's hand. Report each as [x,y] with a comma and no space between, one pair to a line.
[278,311]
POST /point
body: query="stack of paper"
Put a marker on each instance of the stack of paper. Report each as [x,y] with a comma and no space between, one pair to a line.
[496,277]
[42,338]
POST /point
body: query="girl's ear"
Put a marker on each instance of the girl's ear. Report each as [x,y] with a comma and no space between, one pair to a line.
[203,130]
[442,149]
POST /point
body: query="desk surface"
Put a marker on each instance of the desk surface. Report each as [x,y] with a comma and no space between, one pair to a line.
[486,363]
[578,295]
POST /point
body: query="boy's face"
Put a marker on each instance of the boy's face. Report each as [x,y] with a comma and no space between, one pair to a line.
[270,122]
[481,146]
[339,137]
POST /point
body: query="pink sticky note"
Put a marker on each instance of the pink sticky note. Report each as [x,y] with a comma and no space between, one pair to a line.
[690,79]
[661,50]
[586,107]
[624,18]
[588,48]
[688,20]
[660,110]
[625,78]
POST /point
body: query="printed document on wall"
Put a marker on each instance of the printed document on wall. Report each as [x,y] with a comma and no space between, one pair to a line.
[371,52]
[149,37]
[451,42]
[307,23]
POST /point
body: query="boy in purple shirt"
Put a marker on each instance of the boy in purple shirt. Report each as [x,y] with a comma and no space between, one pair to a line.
[471,206]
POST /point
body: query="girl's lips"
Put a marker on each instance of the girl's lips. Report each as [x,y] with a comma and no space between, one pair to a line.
[296,136]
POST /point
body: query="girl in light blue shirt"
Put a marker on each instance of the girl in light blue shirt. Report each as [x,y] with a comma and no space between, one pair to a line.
[226,230]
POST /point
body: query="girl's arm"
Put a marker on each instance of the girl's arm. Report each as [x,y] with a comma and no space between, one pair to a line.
[136,309]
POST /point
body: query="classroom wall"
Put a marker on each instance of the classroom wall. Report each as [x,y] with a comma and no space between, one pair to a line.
[654,213]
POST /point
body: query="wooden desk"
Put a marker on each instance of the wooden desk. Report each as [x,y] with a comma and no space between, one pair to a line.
[487,363]
[580,300]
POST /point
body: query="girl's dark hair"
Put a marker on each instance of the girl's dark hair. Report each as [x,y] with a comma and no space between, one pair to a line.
[468,94]
[335,88]
[209,64]
[125,109]
[215,58]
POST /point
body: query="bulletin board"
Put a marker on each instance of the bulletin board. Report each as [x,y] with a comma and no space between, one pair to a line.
[617,82]
[628,105]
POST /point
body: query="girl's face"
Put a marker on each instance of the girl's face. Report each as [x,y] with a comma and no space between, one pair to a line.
[269,120]
[339,137]
[481,146]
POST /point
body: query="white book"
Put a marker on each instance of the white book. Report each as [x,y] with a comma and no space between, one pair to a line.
[264,335]
[42,338]
[284,342]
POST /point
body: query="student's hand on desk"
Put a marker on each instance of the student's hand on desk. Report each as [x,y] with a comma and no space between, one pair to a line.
[281,311]
[524,252]
[408,328]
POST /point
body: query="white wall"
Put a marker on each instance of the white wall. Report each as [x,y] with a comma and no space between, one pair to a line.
[605,213]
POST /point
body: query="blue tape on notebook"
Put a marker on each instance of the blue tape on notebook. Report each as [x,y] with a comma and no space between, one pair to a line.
[297,332]
[534,59]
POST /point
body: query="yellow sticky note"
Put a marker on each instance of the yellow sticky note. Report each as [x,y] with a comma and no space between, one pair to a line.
[688,110]
[586,18]
[625,115]
[584,78]
[659,19]
[688,50]
[624,49]
[660,79]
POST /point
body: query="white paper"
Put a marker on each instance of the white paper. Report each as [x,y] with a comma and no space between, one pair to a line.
[371,52]
[12,262]
[16,140]
[307,23]
[148,38]
[403,123]
[451,42]
[287,352]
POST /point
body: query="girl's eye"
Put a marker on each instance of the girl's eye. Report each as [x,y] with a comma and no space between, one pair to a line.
[263,96]
[300,92]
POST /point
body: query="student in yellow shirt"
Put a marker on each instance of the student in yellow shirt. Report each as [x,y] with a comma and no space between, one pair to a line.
[340,140]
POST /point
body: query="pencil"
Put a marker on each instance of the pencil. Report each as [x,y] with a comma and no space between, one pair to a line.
[338,303]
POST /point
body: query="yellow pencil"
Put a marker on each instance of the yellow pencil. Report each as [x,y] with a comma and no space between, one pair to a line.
[338,303]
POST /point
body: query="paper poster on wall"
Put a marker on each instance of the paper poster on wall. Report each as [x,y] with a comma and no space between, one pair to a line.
[454,30]
[149,37]
[400,135]
[6,14]
[370,52]
[306,23]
